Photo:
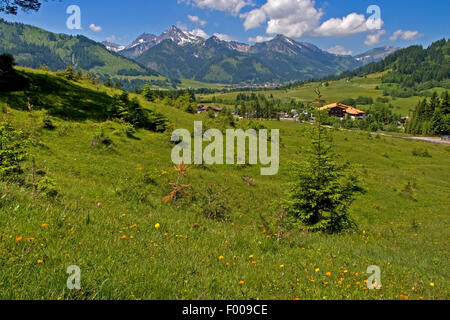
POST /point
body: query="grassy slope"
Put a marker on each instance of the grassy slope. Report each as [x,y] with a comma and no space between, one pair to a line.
[408,239]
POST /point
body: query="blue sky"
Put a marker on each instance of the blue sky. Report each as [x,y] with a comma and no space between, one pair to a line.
[337,24]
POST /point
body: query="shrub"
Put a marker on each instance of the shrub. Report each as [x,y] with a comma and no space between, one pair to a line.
[12,149]
[47,124]
[101,138]
[424,153]
[131,111]
[213,205]
[47,186]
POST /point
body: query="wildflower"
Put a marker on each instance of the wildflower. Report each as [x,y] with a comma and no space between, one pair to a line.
[259,242]
[30,239]
[241,283]
[297,299]
[18,239]
[124,237]
[250,256]
[432,284]
[40,261]
[345,271]
[44,225]
[157,226]
[133,226]
[328,274]
[282,266]
[227,242]
[221,258]
[253,262]
[317,270]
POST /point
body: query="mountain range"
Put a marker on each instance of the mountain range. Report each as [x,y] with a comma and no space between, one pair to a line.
[180,54]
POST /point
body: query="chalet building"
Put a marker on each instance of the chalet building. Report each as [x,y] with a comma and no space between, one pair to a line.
[343,111]
[203,108]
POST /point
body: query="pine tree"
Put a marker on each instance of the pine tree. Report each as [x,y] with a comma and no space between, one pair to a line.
[322,191]
[445,104]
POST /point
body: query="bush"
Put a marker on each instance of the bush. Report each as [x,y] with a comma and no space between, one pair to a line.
[12,149]
[424,153]
[101,138]
[47,186]
[131,112]
[47,124]
[213,205]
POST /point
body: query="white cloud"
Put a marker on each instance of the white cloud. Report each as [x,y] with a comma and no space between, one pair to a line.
[260,39]
[197,20]
[231,6]
[374,38]
[95,28]
[223,37]
[293,18]
[351,24]
[340,51]
[199,33]
[297,18]
[407,35]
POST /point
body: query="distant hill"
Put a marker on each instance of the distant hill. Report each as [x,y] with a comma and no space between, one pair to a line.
[33,47]
[179,54]
[376,55]
[412,68]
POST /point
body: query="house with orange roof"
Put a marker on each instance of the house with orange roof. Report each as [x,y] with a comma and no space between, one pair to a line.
[343,111]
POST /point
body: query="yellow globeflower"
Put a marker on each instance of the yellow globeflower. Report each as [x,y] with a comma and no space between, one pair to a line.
[157,226]
[432,284]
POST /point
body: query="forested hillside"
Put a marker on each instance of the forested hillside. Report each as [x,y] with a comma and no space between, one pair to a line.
[413,68]
[33,47]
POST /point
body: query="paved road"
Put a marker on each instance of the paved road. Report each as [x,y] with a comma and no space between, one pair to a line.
[425,139]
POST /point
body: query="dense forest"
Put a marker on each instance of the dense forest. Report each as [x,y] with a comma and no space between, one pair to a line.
[431,117]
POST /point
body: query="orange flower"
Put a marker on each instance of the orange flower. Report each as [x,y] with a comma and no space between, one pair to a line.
[18,239]
[44,225]
[124,237]
[254,262]
[30,239]
[328,274]
[241,283]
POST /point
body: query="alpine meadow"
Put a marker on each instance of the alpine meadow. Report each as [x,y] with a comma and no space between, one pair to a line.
[226,157]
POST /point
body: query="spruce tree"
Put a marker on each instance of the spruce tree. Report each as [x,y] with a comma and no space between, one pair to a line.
[322,190]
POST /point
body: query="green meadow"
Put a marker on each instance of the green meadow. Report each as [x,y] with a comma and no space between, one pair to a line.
[109,218]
